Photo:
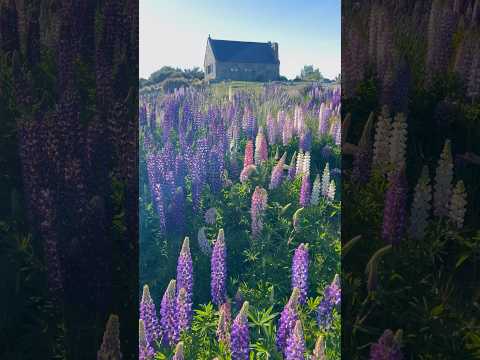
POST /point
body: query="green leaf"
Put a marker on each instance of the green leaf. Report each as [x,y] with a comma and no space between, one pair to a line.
[461,260]
[437,310]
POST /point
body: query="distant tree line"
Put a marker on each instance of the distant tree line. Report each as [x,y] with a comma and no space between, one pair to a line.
[310,73]
[167,76]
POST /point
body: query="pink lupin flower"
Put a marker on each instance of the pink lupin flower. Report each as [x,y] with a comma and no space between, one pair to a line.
[248,158]
[259,204]
[247,172]
[261,148]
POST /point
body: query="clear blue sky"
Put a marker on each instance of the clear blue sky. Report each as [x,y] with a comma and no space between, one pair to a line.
[175,32]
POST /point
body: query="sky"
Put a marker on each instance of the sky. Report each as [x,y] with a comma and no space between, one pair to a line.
[174,32]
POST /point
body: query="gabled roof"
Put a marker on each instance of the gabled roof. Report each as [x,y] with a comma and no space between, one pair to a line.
[243,51]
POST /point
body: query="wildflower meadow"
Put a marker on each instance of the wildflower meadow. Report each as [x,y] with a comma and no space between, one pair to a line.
[240,222]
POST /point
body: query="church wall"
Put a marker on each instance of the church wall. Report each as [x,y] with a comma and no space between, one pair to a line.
[246,71]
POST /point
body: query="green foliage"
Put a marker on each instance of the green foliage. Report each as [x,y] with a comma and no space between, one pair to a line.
[310,73]
[168,72]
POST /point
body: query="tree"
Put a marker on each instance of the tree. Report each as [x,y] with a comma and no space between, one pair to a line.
[310,73]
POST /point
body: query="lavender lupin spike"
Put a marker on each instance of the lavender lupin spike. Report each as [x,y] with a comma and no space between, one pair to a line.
[240,337]
[292,167]
[387,347]
[145,349]
[300,271]
[287,321]
[296,343]
[305,191]
[185,269]
[394,215]
[168,315]
[219,270]
[331,298]
[183,311]
[148,314]
[277,173]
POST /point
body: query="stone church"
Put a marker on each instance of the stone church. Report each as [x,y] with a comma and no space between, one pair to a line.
[241,61]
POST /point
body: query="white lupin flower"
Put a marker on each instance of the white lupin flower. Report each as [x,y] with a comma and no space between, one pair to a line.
[315,198]
[322,121]
[381,143]
[325,180]
[421,206]
[458,205]
[299,169]
[299,119]
[258,141]
[331,191]
[398,142]
[443,182]
[306,163]
[338,135]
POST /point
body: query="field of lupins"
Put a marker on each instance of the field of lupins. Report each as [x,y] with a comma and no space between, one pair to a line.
[410,247]
[240,223]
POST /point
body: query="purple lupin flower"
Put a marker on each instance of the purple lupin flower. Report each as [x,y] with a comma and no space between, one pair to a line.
[158,202]
[323,120]
[219,270]
[394,214]
[259,204]
[53,255]
[185,270]
[177,211]
[183,311]
[296,343]
[326,152]
[224,322]
[287,321]
[240,337]
[277,173]
[361,166]
[287,132]
[387,347]
[306,141]
[292,167]
[271,129]
[305,191]
[110,348]
[145,349]
[300,271]
[215,168]
[168,316]
[331,298]
[148,314]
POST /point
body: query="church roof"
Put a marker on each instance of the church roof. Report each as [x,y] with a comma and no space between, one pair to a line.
[243,51]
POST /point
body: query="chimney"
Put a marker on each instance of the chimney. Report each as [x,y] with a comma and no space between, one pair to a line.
[275,49]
